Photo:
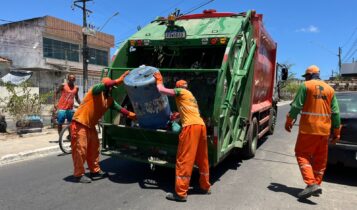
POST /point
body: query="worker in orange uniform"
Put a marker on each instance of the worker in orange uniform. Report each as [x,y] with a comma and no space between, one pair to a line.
[319,109]
[64,107]
[192,146]
[85,142]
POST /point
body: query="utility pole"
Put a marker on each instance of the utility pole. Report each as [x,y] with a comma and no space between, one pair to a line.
[85,47]
[339,60]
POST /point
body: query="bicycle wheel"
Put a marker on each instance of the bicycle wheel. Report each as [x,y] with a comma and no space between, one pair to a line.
[65,140]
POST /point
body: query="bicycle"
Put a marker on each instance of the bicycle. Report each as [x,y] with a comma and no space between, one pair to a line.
[65,138]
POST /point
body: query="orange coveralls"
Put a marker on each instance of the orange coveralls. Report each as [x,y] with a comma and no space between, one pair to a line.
[85,142]
[315,126]
[192,145]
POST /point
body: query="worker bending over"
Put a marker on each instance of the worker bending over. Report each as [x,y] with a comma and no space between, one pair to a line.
[318,106]
[85,142]
[192,146]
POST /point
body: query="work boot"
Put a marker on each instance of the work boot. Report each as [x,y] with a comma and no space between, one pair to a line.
[99,175]
[310,190]
[83,179]
[317,194]
[175,197]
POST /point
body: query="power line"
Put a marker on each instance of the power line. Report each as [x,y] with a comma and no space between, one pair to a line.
[354,45]
[5,20]
[351,56]
[199,6]
[349,39]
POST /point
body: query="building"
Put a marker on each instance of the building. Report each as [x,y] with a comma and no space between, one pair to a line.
[51,48]
[349,69]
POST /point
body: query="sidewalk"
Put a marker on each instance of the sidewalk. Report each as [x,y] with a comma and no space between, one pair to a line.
[15,148]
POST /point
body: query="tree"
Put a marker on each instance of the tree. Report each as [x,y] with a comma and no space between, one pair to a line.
[22,102]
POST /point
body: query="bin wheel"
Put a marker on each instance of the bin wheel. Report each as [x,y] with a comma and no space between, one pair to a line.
[250,147]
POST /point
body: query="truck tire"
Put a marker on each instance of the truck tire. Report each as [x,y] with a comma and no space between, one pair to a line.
[272,121]
[250,147]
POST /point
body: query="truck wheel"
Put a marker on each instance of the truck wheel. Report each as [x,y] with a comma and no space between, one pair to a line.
[252,140]
[272,121]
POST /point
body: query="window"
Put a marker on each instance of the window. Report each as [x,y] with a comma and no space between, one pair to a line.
[60,50]
[347,102]
[98,57]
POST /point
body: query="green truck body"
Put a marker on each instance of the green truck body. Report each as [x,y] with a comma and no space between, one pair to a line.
[229,61]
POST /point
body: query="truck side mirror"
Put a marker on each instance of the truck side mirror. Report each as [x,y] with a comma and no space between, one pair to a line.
[284,74]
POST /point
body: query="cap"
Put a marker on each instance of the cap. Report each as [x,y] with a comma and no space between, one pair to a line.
[181,83]
[109,82]
[313,69]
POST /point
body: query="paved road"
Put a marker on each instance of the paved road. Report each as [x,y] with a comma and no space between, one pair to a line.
[269,181]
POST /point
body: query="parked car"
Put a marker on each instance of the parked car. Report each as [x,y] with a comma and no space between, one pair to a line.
[345,151]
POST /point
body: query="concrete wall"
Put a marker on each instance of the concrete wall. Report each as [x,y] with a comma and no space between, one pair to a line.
[22,44]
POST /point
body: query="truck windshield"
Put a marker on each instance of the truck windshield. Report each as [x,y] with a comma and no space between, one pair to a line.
[207,57]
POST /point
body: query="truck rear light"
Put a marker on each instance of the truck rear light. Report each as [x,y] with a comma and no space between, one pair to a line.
[215,136]
[213,40]
[132,42]
[146,42]
[215,140]
[204,41]
[223,40]
[139,42]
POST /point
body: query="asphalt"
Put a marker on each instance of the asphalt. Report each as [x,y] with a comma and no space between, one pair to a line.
[14,148]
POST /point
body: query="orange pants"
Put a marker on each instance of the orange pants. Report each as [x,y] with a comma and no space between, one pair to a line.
[85,147]
[192,148]
[311,154]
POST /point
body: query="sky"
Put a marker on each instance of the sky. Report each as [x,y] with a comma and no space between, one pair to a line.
[307,31]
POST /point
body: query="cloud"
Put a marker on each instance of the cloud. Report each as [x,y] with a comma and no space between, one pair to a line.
[310,29]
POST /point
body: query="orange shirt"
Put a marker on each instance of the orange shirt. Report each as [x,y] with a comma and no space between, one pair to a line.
[92,108]
[67,97]
[316,112]
[187,106]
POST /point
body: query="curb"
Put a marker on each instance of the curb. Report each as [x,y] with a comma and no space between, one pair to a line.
[11,158]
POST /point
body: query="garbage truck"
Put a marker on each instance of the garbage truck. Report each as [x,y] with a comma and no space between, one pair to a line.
[229,61]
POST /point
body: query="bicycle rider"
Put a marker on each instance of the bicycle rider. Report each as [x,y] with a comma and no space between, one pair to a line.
[64,107]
